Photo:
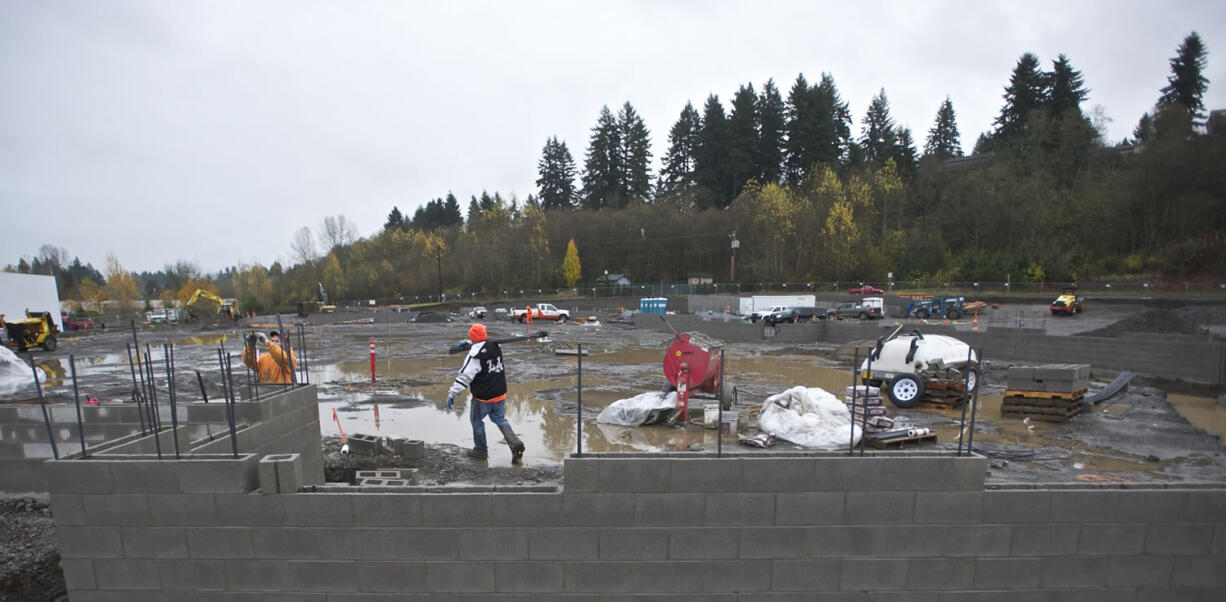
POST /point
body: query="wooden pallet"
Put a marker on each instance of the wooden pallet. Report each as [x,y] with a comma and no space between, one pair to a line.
[1042,414]
[1034,402]
[901,442]
[939,404]
[1074,395]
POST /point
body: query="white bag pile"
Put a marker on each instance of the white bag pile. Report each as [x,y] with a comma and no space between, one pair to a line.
[809,417]
[868,403]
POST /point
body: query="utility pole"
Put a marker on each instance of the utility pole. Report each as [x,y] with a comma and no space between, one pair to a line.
[736,244]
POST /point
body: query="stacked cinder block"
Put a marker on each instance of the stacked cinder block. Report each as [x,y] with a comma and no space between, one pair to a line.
[867,403]
[1050,392]
[386,477]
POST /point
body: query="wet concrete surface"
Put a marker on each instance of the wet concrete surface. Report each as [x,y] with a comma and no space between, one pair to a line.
[1142,435]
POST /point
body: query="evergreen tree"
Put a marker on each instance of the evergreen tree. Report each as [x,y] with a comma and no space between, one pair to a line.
[1025,93]
[474,211]
[1187,83]
[395,220]
[878,137]
[818,127]
[943,139]
[742,139]
[451,210]
[677,174]
[800,128]
[557,171]
[834,131]
[1144,129]
[602,167]
[1066,89]
[635,155]
[771,123]
[711,156]
[905,154]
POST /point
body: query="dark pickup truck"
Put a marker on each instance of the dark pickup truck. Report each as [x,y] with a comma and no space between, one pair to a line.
[796,314]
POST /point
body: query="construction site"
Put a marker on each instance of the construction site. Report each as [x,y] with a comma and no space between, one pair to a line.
[1067,457]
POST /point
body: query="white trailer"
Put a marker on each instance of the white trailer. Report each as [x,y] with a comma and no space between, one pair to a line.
[19,292]
[764,303]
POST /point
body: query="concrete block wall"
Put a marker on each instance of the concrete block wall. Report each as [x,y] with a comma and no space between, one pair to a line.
[1191,357]
[698,527]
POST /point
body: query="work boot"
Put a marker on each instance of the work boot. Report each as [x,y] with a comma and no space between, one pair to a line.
[479,454]
[517,446]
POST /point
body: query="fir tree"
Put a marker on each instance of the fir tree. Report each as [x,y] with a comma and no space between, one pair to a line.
[602,167]
[711,156]
[677,174]
[800,129]
[943,139]
[771,121]
[905,154]
[742,139]
[451,210]
[635,155]
[1025,93]
[878,137]
[395,220]
[557,176]
[1066,89]
[1187,83]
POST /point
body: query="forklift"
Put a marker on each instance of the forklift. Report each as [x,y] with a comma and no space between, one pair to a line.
[36,330]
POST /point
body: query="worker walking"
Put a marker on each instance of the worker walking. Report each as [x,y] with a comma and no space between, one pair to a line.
[483,374]
[272,366]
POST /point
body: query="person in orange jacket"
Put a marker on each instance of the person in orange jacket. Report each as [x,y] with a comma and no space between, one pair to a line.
[272,367]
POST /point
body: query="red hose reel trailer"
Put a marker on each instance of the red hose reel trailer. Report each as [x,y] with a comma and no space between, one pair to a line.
[692,364]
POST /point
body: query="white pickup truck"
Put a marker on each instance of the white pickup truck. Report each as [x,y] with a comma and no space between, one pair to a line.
[762,313]
[542,311]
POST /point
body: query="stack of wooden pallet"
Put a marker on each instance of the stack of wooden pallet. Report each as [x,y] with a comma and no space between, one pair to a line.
[1049,393]
[867,408]
[942,396]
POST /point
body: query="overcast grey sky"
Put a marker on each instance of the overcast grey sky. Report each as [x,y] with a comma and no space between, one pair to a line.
[212,131]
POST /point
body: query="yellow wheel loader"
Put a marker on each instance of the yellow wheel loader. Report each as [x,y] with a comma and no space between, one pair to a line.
[38,329]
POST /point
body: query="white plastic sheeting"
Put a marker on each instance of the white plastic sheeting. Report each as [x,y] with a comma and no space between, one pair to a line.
[809,417]
[638,409]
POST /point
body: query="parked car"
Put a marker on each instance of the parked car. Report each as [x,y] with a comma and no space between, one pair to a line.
[477,313]
[796,314]
[762,314]
[866,289]
[429,316]
[865,309]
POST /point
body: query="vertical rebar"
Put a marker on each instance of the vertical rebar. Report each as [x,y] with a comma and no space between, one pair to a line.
[225,391]
[233,405]
[42,402]
[170,394]
[154,419]
[306,374]
[76,395]
[200,381]
[864,415]
[579,412]
[965,381]
[136,392]
[719,426]
[970,439]
[855,373]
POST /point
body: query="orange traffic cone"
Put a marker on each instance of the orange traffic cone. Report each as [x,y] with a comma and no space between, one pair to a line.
[975,325]
[947,319]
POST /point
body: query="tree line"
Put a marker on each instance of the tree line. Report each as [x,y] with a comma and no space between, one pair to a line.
[811,197]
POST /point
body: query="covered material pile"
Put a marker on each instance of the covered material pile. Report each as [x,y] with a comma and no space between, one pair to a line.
[809,417]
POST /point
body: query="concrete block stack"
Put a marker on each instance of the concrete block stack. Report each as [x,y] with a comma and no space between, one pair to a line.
[1049,392]
[365,445]
[868,409]
[406,448]
[386,477]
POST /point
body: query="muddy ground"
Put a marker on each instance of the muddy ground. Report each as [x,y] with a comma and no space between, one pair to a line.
[1143,435]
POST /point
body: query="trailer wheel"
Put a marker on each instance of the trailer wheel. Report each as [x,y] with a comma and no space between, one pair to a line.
[972,379]
[49,343]
[953,314]
[906,390]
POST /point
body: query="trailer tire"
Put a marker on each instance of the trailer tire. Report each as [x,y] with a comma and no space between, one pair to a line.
[49,343]
[906,390]
[972,380]
[953,314]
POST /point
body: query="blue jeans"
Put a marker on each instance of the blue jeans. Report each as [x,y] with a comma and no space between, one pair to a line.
[478,412]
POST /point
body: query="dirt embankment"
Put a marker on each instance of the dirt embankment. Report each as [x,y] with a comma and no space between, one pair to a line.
[29,560]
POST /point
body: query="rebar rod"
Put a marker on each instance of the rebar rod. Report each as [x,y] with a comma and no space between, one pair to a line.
[174,420]
[855,369]
[42,402]
[76,395]
[136,394]
[579,413]
[970,439]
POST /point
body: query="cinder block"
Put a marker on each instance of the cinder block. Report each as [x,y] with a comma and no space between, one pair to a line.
[259,575]
[598,509]
[125,574]
[251,510]
[493,544]
[456,510]
[306,543]
[1150,505]
[782,474]
[978,540]
[391,577]
[280,473]
[706,475]
[89,542]
[220,542]
[387,509]
[729,576]
[1137,571]
[119,509]
[457,578]
[319,509]
[406,448]
[217,475]
[633,544]
[1074,572]
[191,574]
[1108,540]
[1204,505]
[79,476]
[563,544]
[905,540]
[636,474]
[1019,374]
[840,541]
[880,507]
[581,475]
[1045,540]
[528,577]
[365,445]
[667,577]
[807,508]
[805,575]
[318,576]
[1094,506]
[948,507]
[1007,573]
[873,574]
[668,509]
[154,542]
[940,573]
[182,510]
[527,509]
[398,544]
[708,543]
[735,509]
[1179,540]
[599,577]
[1200,571]
[78,574]
[1016,506]
[1176,594]
[67,509]
[773,542]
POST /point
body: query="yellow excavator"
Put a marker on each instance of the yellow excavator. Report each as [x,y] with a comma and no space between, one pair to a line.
[36,330]
[206,305]
[306,308]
